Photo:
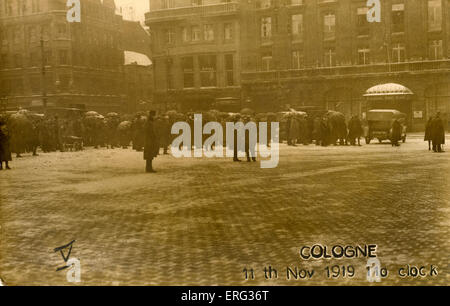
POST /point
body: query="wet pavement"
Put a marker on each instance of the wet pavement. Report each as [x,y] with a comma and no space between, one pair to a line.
[203,221]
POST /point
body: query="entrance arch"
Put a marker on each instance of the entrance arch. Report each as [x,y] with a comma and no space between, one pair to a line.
[390,96]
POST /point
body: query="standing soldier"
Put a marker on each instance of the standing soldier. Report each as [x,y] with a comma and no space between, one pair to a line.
[438,133]
[151,146]
[5,152]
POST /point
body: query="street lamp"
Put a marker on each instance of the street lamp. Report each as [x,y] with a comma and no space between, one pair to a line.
[44,85]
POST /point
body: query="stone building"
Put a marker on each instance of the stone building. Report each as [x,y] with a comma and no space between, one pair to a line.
[47,61]
[304,53]
[138,75]
[195,51]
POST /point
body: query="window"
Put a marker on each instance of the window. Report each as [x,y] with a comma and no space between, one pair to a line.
[169,36]
[330,57]
[266,61]
[434,15]
[398,18]
[165,4]
[188,71]
[186,34]
[363,56]
[195,30]
[17,35]
[46,32]
[34,59]
[263,3]
[362,23]
[297,60]
[228,31]
[208,70]
[18,87]
[435,50]
[208,32]
[63,57]
[35,6]
[4,60]
[296,2]
[8,7]
[48,57]
[266,27]
[197,2]
[35,84]
[398,53]
[18,60]
[62,29]
[297,26]
[229,69]
[329,24]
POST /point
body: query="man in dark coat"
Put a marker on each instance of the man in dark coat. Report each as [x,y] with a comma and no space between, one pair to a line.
[438,133]
[324,132]
[5,152]
[355,130]
[250,157]
[151,146]
[429,132]
[396,133]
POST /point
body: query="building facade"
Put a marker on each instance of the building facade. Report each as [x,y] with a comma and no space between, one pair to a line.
[45,61]
[307,53]
[195,52]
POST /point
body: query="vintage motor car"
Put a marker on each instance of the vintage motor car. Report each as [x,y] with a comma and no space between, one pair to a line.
[379,124]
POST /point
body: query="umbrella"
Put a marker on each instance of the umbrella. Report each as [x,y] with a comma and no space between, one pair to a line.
[91,114]
[247,111]
[123,126]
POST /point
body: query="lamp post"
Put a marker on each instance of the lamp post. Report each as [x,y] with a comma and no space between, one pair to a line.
[44,84]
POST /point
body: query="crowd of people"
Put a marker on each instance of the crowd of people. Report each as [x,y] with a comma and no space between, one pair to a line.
[26,132]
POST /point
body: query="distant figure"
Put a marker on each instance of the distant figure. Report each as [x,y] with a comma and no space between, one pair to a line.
[429,133]
[355,130]
[396,133]
[438,133]
[151,143]
[5,151]
[248,153]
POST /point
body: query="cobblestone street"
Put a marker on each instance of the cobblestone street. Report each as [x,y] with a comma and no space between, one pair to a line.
[202,221]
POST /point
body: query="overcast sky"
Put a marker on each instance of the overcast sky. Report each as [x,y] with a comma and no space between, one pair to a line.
[140,8]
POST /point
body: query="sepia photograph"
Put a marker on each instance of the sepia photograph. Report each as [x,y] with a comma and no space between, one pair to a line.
[205,144]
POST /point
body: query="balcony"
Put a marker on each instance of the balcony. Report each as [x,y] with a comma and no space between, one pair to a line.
[420,67]
[198,11]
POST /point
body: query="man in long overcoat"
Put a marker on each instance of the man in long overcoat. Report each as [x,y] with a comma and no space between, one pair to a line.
[151,146]
[438,133]
[5,152]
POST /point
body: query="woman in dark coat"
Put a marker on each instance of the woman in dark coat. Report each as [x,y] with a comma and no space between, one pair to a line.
[151,146]
[429,132]
[5,152]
